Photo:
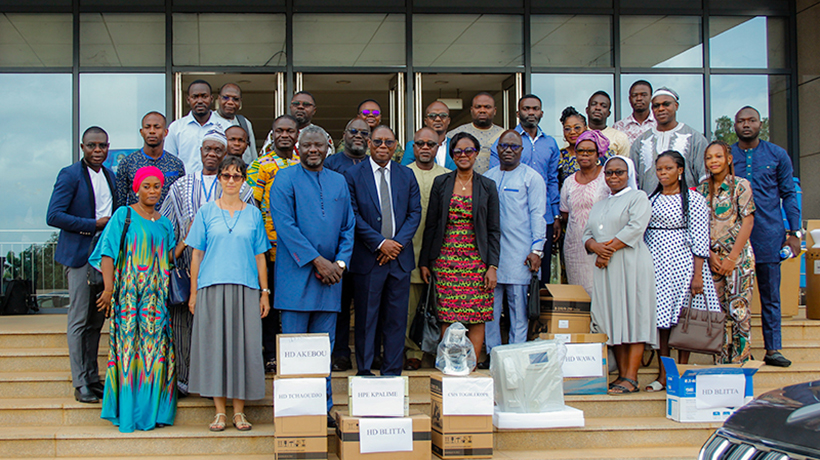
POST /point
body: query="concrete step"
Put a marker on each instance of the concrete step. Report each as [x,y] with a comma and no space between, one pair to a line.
[42,359]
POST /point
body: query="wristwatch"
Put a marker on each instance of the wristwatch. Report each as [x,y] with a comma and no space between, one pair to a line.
[540,254]
[797,233]
[266,291]
[341,264]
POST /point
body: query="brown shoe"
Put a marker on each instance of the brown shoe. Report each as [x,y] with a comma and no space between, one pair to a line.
[412,364]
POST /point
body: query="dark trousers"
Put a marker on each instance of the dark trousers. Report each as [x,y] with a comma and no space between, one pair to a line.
[342,347]
[768,283]
[546,266]
[381,298]
[270,324]
[84,324]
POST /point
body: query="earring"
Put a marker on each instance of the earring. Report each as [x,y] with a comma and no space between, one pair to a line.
[680,178]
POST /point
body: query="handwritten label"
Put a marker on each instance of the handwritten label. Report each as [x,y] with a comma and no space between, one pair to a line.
[719,390]
[467,396]
[385,435]
[377,397]
[583,360]
[308,355]
[293,397]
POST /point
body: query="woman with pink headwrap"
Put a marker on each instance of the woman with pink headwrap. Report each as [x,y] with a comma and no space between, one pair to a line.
[140,381]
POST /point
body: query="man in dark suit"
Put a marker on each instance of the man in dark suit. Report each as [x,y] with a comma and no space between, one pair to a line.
[83,200]
[387,205]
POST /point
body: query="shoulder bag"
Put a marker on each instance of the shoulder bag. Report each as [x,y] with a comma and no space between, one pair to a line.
[700,331]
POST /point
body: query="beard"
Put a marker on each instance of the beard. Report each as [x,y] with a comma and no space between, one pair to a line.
[483,123]
[356,150]
[528,124]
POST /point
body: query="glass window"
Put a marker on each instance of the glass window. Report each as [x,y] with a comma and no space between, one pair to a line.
[766,93]
[747,42]
[469,4]
[122,40]
[559,91]
[143,5]
[468,40]
[688,87]
[353,5]
[227,5]
[35,40]
[666,5]
[661,41]
[571,41]
[574,4]
[349,40]
[135,95]
[229,39]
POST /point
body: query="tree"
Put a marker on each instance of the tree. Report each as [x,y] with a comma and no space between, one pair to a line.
[725,130]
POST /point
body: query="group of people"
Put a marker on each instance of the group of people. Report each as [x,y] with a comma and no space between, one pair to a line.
[289,239]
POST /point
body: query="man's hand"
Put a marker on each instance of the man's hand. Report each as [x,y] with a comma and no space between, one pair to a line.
[794,242]
[329,272]
[101,222]
[556,230]
[534,262]
[391,249]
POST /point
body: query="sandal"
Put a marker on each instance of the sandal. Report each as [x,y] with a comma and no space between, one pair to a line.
[216,425]
[655,387]
[615,382]
[244,424]
[619,389]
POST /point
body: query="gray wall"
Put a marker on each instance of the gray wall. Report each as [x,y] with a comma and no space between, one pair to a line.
[808,77]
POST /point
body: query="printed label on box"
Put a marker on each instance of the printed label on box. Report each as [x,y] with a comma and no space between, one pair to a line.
[385,435]
[467,396]
[294,397]
[379,397]
[304,355]
[723,390]
[817,267]
[563,324]
[583,360]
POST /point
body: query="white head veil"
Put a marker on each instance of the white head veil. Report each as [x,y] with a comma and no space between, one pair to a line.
[630,167]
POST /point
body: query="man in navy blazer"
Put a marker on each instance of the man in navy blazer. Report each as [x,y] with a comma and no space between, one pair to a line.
[387,205]
[83,200]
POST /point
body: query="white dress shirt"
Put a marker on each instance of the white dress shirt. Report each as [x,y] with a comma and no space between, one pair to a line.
[441,154]
[185,138]
[103,200]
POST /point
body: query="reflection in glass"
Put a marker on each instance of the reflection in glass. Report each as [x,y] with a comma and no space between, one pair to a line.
[353,40]
[688,87]
[661,41]
[35,40]
[135,95]
[571,41]
[471,40]
[558,91]
[122,40]
[768,94]
[747,42]
[229,39]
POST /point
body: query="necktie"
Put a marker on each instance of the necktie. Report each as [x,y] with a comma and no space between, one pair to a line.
[387,206]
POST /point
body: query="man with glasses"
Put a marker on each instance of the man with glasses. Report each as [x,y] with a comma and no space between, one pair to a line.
[522,198]
[370,111]
[436,117]
[185,135]
[385,198]
[228,104]
[669,134]
[302,109]
[482,128]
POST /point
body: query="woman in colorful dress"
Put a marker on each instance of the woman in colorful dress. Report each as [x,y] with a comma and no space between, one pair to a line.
[581,190]
[731,258]
[461,242]
[678,238]
[140,382]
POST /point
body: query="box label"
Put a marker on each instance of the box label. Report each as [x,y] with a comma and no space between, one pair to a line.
[379,397]
[726,390]
[293,397]
[385,435]
[467,396]
[308,355]
[583,360]
[563,324]
[817,267]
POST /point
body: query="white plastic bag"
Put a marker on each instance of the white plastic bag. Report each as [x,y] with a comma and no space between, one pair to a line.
[527,377]
[456,355]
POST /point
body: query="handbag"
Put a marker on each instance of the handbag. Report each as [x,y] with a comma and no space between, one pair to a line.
[534,300]
[179,286]
[424,330]
[94,276]
[700,331]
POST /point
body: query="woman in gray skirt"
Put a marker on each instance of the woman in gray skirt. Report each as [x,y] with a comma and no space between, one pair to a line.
[229,298]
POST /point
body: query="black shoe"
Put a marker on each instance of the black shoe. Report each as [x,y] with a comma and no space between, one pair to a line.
[484,364]
[98,389]
[331,422]
[270,367]
[84,394]
[777,359]
[377,363]
[341,364]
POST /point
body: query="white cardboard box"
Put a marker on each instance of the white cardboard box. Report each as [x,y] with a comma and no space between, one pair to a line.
[568,417]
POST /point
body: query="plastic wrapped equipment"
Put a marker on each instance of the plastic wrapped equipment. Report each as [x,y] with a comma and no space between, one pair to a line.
[527,377]
[456,355]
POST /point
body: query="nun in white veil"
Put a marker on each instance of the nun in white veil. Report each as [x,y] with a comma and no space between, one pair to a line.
[623,293]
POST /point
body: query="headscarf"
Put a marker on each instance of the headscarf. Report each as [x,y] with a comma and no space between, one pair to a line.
[145,172]
[631,181]
[601,142]
[216,135]
[664,91]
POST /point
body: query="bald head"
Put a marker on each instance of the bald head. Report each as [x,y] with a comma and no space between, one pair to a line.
[437,117]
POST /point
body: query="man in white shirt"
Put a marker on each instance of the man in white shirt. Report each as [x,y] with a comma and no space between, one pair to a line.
[228,104]
[185,135]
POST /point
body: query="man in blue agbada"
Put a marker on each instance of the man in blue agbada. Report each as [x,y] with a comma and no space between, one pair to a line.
[315,225]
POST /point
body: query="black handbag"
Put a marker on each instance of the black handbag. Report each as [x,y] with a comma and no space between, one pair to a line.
[700,331]
[179,286]
[425,331]
[94,276]
[534,299]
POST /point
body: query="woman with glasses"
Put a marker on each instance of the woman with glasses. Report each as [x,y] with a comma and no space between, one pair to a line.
[229,298]
[623,281]
[580,192]
[574,124]
[461,242]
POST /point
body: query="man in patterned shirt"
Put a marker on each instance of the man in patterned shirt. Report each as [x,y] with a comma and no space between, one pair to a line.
[641,119]
[482,127]
[261,174]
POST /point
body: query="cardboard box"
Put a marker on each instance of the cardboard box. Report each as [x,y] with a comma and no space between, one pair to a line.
[686,402]
[300,437]
[297,397]
[461,436]
[812,283]
[584,380]
[568,417]
[565,298]
[353,401]
[566,323]
[348,439]
[302,355]
[789,289]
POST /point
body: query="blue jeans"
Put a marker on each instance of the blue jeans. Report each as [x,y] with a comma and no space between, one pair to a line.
[768,284]
[312,322]
[517,304]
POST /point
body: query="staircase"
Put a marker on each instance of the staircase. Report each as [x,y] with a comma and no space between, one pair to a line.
[39,417]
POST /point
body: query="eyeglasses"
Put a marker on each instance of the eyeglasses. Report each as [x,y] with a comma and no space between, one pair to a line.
[421,144]
[232,177]
[441,115]
[585,152]
[230,98]
[375,113]
[657,105]
[304,104]
[94,145]
[616,172]
[216,150]
[513,147]
[469,151]
[354,131]
[378,142]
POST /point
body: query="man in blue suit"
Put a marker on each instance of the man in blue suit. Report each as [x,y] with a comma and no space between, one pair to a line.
[437,118]
[83,200]
[386,201]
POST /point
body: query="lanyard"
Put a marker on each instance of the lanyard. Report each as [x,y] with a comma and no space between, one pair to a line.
[210,190]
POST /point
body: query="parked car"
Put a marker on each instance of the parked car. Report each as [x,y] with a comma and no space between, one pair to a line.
[779,425]
[54,299]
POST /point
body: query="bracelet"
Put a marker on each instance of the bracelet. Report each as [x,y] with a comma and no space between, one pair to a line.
[266,291]
[492,266]
[734,261]
[108,292]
